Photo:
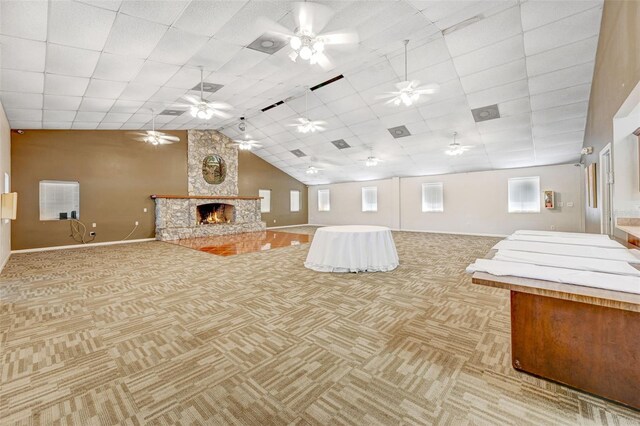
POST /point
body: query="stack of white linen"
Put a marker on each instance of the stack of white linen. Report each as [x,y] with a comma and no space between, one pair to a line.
[592,260]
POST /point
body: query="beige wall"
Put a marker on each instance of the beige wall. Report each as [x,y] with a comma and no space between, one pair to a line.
[254,173]
[474,203]
[117,175]
[617,71]
[5,167]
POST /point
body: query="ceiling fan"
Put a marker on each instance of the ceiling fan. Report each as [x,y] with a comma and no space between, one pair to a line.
[304,124]
[154,137]
[455,148]
[200,108]
[311,170]
[306,41]
[408,91]
[245,143]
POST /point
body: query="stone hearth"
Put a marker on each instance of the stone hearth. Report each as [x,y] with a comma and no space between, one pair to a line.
[177,217]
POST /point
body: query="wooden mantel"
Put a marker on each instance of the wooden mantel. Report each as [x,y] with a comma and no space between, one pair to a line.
[205,197]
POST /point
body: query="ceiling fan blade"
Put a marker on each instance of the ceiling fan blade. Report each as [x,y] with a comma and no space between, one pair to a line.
[170,138]
[340,37]
[266,25]
[221,114]
[324,61]
[404,85]
[311,17]
[191,99]
[386,95]
[319,122]
[219,105]
[428,89]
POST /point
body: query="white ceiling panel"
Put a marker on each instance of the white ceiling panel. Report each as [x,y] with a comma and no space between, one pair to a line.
[566,56]
[117,67]
[65,85]
[207,17]
[56,125]
[488,57]
[161,11]
[96,104]
[109,63]
[560,79]
[538,13]
[27,124]
[24,19]
[71,61]
[21,81]
[21,100]
[565,31]
[177,46]
[560,97]
[25,55]
[485,32]
[69,103]
[79,25]
[496,76]
[134,37]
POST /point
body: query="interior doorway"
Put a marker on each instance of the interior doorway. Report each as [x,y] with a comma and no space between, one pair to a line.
[606,190]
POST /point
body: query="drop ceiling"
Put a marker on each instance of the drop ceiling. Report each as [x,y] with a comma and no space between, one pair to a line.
[105,64]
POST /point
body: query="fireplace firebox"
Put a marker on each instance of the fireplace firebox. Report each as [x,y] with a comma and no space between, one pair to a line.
[214,213]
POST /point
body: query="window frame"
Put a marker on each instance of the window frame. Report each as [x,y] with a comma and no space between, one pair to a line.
[75,203]
[538,193]
[432,184]
[291,192]
[328,192]
[268,197]
[375,191]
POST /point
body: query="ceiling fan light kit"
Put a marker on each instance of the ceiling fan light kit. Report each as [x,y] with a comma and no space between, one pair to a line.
[455,148]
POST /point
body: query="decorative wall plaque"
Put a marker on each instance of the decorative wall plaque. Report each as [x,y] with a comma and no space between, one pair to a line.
[214,170]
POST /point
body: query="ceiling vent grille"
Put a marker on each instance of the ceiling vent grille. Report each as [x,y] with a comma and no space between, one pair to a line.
[208,87]
[486,113]
[341,144]
[173,112]
[268,43]
[399,132]
[298,153]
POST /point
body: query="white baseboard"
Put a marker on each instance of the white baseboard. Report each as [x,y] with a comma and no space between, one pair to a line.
[287,226]
[4,262]
[74,246]
[473,234]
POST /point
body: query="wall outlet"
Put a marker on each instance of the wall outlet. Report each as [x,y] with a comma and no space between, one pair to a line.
[92,234]
[553,227]
[144,210]
[569,203]
[93,225]
[136,223]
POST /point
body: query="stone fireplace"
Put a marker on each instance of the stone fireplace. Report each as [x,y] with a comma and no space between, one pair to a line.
[213,206]
[214,213]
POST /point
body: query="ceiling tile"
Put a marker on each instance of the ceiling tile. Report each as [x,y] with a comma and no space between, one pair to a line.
[26,125]
[514,107]
[96,104]
[485,32]
[21,81]
[496,95]
[138,92]
[335,90]
[438,109]
[420,57]
[58,116]
[357,116]
[24,19]
[496,76]
[346,104]
[568,30]
[128,107]
[168,94]
[19,54]
[109,126]
[84,126]
[104,4]
[564,112]
[58,102]
[134,37]
[214,54]
[104,88]
[56,125]
[491,56]
[572,138]
[65,85]
[560,97]
[522,121]
[562,57]
[243,61]
[155,73]
[241,30]
[557,127]
[177,46]
[24,114]
[116,117]
[374,75]
[161,11]
[538,13]
[86,116]
[302,103]
[117,67]
[560,79]
[206,18]
[79,25]
[21,100]
[71,61]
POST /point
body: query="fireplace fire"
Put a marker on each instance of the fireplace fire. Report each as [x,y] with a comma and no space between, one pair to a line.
[214,213]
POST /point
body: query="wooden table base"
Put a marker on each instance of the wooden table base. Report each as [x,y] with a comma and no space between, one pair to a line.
[589,347]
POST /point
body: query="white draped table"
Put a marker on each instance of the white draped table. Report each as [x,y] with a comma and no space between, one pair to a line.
[352,248]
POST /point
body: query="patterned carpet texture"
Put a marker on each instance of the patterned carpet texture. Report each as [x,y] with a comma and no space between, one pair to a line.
[154,333]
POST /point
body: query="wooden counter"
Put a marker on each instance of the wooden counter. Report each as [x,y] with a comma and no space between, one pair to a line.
[583,337]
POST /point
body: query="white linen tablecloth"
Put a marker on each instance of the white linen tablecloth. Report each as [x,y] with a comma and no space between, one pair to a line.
[352,248]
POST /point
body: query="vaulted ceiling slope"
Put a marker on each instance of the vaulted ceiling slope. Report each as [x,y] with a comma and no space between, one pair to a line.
[105,64]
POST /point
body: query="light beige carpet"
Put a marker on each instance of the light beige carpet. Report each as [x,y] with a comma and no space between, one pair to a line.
[154,333]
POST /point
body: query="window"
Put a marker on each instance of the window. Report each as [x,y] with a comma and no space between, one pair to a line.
[294,200]
[265,203]
[324,204]
[524,195]
[59,197]
[432,199]
[370,199]
[7,183]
